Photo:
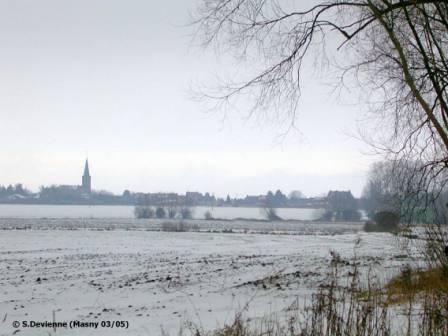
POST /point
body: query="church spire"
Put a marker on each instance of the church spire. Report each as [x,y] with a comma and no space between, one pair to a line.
[86,168]
[86,179]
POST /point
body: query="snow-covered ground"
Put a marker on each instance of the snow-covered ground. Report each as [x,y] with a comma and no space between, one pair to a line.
[240,225]
[163,279]
[127,211]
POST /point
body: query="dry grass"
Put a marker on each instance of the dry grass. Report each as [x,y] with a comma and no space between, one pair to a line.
[412,284]
[414,303]
[180,226]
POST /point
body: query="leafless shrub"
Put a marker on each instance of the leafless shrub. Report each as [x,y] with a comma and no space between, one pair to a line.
[179,226]
[174,227]
[208,215]
[186,213]
[142,211]
[271,214]
[172,212]
[160,212]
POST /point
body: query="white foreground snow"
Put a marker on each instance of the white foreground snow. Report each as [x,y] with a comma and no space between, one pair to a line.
[153,279]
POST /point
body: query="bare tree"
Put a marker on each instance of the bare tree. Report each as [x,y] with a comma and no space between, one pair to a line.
[395,50]
[399,187]
[296,195]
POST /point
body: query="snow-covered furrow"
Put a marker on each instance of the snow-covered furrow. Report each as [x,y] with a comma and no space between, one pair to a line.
[153,279]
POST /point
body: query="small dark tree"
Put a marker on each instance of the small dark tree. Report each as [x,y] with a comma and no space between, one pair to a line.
[327,215]
[296,195]
[172,212]
[142,211]
[228,200]
[270,199]
[271,214]
[279,199]
[186,213]
[160,212]
[351,215]
[387,221]
[19,189]
[208,215]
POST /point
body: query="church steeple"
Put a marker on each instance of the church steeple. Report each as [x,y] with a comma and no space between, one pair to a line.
[86,179]
[86,168]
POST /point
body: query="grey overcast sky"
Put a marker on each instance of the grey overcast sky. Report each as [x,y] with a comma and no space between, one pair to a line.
[110,79]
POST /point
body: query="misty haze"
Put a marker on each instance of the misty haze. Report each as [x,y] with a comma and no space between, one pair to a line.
[224,167]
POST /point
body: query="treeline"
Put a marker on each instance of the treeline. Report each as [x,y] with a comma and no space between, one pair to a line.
[59,194]
[11,190]
[145,211]
[405,189]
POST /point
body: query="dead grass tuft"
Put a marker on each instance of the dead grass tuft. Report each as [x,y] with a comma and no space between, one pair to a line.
[412,284]
[417,299]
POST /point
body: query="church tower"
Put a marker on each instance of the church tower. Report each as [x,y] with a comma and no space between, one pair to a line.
[86,179]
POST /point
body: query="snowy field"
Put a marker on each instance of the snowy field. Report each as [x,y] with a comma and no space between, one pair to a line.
[154,279]
[237,226]
[127,211]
